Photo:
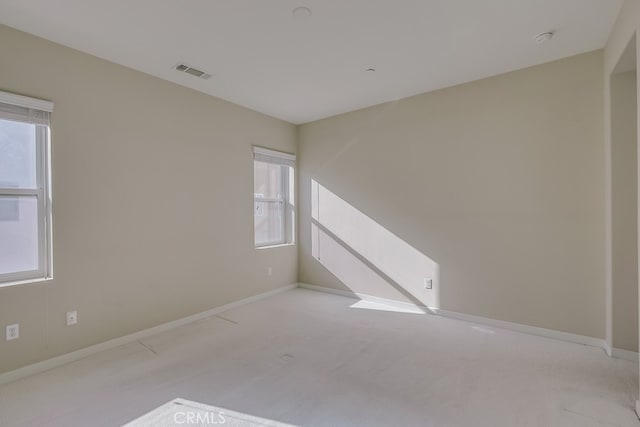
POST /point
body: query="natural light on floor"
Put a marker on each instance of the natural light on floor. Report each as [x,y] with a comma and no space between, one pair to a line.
[184,412]
[370,305]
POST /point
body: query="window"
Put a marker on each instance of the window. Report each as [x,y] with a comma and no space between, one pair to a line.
[25,197]
[273,197]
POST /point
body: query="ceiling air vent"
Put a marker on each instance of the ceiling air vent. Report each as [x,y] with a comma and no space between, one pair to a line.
[193,71]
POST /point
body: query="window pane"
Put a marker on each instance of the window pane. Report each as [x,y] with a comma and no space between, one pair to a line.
[18,234]
[17,154]
[267,180]
[292,190]
[269,222]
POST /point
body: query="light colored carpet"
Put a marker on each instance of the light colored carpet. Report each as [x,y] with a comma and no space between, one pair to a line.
[313,359]
[184,412]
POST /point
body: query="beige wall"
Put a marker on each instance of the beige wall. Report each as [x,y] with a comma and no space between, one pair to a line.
[153,202]
[624,29]
[624,199]
[494,189]
[149,195]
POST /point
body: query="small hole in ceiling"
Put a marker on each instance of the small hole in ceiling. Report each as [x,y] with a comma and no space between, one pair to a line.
[301,13]
[544,37]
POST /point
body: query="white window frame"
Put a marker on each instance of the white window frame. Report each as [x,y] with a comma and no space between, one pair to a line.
[287,162]
[37,112]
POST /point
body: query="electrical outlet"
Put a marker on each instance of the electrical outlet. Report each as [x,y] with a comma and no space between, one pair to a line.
[13,332]
[72,318]
[269,271]
[428,283]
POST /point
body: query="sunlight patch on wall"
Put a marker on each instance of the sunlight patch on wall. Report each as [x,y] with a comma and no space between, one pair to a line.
[367,257]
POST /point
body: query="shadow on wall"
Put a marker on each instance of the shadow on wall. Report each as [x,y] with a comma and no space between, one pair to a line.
[365,256]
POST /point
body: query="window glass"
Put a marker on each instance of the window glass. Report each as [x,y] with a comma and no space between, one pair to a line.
[25,204]
[18,234]
[267,180]
[269,223]
[273,204]
[17,155]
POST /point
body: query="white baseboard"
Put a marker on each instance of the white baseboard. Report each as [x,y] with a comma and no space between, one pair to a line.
[370,298]
[619,353]
[54,362]
[525,329]
[518,327]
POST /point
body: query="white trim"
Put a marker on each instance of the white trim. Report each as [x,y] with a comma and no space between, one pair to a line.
[274,153]
[12,279]
[517,327]
[26,102]
[8,192]
[43,271]
[54,362]
[279,245]
[285,213]
[38,279]
[348,294]
[267,200]
[526,329]
[619,353]
[370,298]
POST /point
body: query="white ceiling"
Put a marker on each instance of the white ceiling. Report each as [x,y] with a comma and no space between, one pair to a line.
[263,58]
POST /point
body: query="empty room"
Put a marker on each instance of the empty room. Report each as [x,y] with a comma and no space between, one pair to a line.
[319,213]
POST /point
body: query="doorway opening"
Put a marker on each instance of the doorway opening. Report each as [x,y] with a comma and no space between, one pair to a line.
[624,205]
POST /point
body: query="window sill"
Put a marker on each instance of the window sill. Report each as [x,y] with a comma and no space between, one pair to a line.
[26,281]
[280,245]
